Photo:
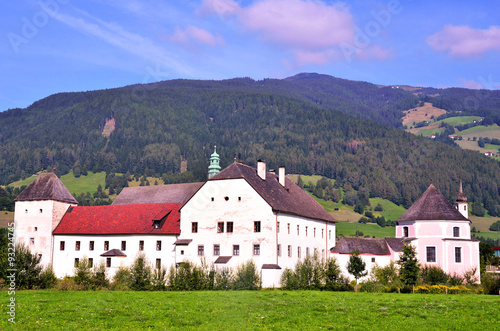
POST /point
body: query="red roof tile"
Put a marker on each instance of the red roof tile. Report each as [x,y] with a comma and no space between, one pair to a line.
[121,219]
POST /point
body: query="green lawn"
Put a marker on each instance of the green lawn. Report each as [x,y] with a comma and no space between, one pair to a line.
[480,129]
[429,132]
[460,120]
[258,310]
[391,211]
[348,229]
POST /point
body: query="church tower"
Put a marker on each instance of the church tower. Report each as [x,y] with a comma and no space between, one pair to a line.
[38,211]
[462,202]
[214,167]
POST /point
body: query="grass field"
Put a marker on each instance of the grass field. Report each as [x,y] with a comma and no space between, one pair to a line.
[6,217]
[459,120]
[391,211]
[258,310]
[348,229]
[491,131]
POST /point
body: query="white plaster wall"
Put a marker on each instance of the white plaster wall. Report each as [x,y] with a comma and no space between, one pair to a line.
[343,260]
[34,223]
[64,261]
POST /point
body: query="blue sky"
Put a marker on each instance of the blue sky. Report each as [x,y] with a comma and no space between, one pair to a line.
[51,46]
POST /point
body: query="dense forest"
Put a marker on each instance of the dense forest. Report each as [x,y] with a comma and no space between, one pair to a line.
[312,124]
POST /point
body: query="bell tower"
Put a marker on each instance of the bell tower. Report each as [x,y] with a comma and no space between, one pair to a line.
[462,205]
[214,167]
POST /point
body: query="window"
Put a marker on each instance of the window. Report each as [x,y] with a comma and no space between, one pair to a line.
[289,250]
[306,231]
[405,231]
[26,211]
[61,245]
[256,226]
[220,227]
[108,262]
[32,241]
[91,245]
[201,250]
[236,249]
[298,230]
[77,260]
[288,228]
[229,227]
[239,198]
[279,249]
[226,198]
[330,234]
[458,254]
[182,252]
[307,251]
[456,231]
[314,232]
[41,211]
[141,245]
[158,263]
[194,227]
[373,259]
[213,199]
[124,245]
[106,245]
[77,246]
[299,252]
[158,245]
[431,254]
[156,224]
[322,233]
[91,262]
[36,228]
[216,250]
[256,249]
[278,227]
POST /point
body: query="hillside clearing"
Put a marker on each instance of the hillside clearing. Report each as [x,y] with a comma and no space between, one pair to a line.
[424,113]
[243,310]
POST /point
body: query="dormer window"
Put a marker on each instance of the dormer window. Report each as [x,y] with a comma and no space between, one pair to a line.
[156,224]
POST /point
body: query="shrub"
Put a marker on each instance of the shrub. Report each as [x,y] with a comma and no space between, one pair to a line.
[223,279]
[48,278]
[122,279]
[386,275]
[433,275]
[159,279]
[28,268]
[140,273]
[247,277]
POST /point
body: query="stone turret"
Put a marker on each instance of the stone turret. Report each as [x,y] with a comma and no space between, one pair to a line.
[214,167]
[462,202]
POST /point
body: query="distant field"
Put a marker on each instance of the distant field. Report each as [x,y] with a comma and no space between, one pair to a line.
[420,114]
[391,211]
[348,229]
[460,120]
[305,178]
[473,146]
[491,131]
[482,223]
[84,184]
[6,217]
[251,310]
[428,132]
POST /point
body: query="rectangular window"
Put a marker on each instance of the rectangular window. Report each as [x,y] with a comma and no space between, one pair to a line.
[279,249]
[289,250]
[278,227]
[77,260]
[194,227]
[220,227]
[322,233]
[314,232]
[373,259]
[298,230]
[77,245]
[288,225]
[431,254]
[32,241]
[91,262]
[307,251]
[124,245]
[299,252]
[256,226]
[108,262]
[458,254]
[61,245]
[36,228]
[106,245]
[405,232]
[141,245]
[456,231]
[229,227]
[158,263]
[216,250]
[158,245]
[236,249]
[201,250]
[91,245]
[330,234]
[256,249]
[306,231]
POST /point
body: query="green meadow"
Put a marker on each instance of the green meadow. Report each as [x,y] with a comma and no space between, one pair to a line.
[348,229]
[251,310]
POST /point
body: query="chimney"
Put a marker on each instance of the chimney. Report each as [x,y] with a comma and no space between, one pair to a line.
[282,176]
[261,169]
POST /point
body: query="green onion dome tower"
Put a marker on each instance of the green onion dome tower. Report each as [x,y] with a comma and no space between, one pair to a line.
[214,167]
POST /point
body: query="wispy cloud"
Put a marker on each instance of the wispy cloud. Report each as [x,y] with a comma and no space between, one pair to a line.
[132,43]
[192,33]
[464,41]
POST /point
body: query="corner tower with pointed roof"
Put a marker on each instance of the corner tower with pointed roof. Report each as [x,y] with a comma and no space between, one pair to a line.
[214,167]
[440,233]
[38,210]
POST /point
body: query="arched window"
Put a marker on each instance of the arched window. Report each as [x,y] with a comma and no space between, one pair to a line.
[405,231]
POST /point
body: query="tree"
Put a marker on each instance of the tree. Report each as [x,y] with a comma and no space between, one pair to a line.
[356,266]
[300,182]
[379,207]
[140,274]
[408,263]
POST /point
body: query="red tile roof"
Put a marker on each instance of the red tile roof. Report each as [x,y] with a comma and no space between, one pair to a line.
[121,219]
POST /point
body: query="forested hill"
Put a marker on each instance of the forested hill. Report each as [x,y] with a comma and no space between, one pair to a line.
[300,122]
